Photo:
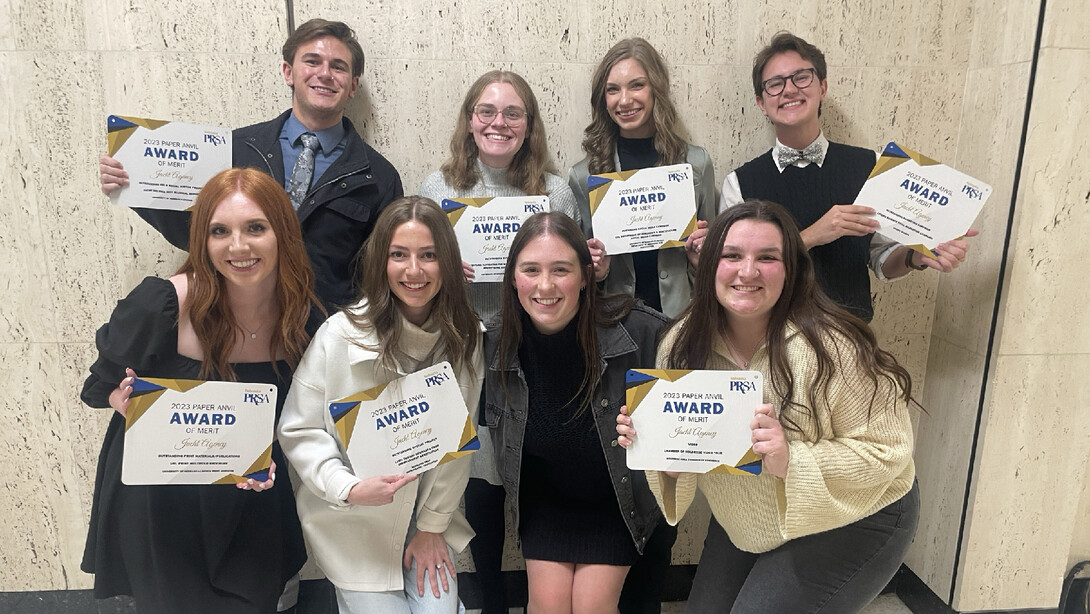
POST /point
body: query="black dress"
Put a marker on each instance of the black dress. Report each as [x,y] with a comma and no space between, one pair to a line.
[568,509]
[182,548]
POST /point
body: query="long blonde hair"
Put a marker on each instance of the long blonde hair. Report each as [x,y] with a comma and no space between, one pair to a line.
[600,137]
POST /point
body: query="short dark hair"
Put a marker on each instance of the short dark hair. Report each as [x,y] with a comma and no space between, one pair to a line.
[782,42]
[317,28]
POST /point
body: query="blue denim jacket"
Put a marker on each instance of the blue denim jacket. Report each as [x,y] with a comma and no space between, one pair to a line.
[629,344]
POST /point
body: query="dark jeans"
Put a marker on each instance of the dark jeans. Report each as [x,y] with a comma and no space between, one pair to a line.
[642,593]
[834,572]
[485,513]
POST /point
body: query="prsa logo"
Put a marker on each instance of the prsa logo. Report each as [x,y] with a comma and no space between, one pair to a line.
[255,398]
[214,139]
[742,386]
[533,208]
[974,192]
[678,176]
[435,380]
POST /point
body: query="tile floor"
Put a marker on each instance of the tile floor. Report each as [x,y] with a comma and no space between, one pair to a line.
[884,604]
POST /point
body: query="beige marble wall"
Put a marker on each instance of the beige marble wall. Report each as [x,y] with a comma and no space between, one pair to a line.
[989,131]
[1025,518]
[905,72]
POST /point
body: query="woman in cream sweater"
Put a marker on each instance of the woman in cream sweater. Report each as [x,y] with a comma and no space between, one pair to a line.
[828,521]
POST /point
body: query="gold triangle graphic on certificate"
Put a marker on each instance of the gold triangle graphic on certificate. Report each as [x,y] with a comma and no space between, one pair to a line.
[347,424]
[116,139]
[670,375]
[138,406]
[920,247]
[749,457]
[468,433]
[476,203]
[367,395]
[690,228]
[473,202]
[671,243]
[455,215]
[596,195]
[885,163]
[636,394]
[262,461]
[921,159]
[449,456]
[181,385]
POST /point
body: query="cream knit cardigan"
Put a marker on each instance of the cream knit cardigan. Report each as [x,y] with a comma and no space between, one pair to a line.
[860,466]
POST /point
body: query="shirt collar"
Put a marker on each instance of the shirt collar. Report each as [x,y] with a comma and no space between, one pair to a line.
[328,138]
[820,140]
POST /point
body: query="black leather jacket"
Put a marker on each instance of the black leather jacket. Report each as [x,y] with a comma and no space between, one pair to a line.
[337,215]
[629,344]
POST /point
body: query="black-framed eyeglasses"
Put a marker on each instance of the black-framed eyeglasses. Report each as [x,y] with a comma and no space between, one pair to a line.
[512,116]
[802,78]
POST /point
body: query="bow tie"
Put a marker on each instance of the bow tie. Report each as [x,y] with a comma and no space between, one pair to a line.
[787,156]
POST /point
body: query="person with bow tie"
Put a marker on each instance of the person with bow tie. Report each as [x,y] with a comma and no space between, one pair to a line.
[818,180]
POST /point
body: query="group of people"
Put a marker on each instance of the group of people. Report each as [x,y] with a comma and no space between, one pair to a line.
[308,269]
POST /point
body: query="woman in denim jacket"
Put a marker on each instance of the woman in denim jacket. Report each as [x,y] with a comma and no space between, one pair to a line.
[554,382]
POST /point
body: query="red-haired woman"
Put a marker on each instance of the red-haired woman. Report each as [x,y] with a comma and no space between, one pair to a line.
[239,309]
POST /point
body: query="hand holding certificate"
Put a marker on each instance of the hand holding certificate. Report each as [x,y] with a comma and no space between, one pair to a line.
[485,228]
[409,425]
[693,421]
[920,202]
[195,432]
[643,210]
[168,162]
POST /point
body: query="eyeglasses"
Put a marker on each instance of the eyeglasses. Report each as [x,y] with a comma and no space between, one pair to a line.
[512,116]
[802,78]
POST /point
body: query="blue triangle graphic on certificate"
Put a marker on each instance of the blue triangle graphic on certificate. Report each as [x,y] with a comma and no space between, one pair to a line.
[114,122]
[595,181]
[449,205]
[258,476]
[472,444]
[754,468]
[635,377]
[339,410]
[140,387]
[892,149]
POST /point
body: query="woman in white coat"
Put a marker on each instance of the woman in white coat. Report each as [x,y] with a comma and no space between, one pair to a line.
[385,541]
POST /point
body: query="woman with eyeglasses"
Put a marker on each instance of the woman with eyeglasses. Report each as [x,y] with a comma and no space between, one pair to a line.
[498,148]
[634,125]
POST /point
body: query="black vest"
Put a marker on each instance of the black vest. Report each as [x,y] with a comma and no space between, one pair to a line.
[808,193]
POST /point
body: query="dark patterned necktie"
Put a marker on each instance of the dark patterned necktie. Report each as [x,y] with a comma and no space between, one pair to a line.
[303,172]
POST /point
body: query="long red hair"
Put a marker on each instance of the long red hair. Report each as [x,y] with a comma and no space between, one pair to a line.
[206,303]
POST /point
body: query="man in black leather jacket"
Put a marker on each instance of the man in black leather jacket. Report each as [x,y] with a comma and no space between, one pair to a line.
[351,181]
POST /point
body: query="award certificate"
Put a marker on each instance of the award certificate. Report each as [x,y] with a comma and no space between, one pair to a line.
[920,202]
[643,210]
[693,421]
[409,425]
[168,162]
[181,431]
[485,228]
